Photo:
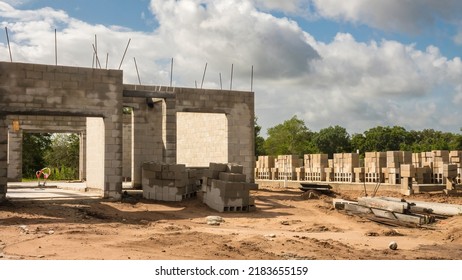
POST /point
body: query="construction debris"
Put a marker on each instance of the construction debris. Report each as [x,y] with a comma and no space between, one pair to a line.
[397,212]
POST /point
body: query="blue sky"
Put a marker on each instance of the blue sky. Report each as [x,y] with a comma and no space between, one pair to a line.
[357,63]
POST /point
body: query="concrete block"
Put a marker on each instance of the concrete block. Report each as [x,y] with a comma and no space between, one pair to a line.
[220,167]
[235,168]
[250,186]
[407,170]
[214,174]
[231,177]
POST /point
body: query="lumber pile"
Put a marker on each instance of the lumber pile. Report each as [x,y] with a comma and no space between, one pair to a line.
[398,212]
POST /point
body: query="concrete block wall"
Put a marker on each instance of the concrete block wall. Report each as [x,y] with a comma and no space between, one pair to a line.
[39,124]
[238,106]
[224,188]
[48,90]
[127,147]
[168,182]
[3,156]
[201,138]
[147,130]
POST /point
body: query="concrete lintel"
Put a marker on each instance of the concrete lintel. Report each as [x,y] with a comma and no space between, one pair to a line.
[42,112]
[205,110]
[148,94]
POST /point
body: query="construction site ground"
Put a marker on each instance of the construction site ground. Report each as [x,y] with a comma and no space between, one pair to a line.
[288,225]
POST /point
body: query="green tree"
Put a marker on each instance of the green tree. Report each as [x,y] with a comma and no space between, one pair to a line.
[289,138]
[381,139]
[430,139]
[334,139]
[358,143]
[34,147]
[63,156]
[259,140]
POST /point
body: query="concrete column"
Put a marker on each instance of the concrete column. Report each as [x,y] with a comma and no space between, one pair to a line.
[113,156]
[95,154]
[15,156]
[169,130]
[3,157]
[82,157]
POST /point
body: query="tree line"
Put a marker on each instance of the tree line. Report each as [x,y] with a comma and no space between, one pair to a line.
[293,137]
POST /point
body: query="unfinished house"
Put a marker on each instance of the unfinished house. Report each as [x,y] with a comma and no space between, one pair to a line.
[170,125]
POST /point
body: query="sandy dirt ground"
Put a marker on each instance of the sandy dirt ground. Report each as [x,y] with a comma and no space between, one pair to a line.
[286,226]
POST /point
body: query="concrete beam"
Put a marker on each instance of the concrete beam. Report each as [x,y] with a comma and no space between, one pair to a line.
[148,94]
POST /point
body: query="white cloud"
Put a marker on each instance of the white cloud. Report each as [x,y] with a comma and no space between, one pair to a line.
[412,16]
[287,6]
[353,84]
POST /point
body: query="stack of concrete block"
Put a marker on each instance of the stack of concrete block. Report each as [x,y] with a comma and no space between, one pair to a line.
[224,188]
[263,167]
[168,182]
[427,159]
[344,165]
[359,174]
[455,157]
[374,162]
[314,167]
[440,159]
[285,167]
[417,159]
[394,161]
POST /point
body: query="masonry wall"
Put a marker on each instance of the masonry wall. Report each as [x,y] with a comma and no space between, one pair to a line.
[39,124]
[127,147]
[237,106]
[146,133]
[202,138]
[44,90]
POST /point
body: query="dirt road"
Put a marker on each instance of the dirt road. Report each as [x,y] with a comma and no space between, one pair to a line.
[286,225]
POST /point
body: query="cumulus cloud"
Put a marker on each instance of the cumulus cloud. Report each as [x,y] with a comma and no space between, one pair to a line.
[357,85]
[412,16]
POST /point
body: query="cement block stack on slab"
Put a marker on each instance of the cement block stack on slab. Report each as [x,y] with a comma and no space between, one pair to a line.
[344,165]
[224,189]
[263,167]
[394,161]
[286,166]
[314,167]
[167,182]
[455,157]
[373,164]
[440,158]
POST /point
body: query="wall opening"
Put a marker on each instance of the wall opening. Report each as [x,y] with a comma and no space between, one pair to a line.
[201,138]
[60,152]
